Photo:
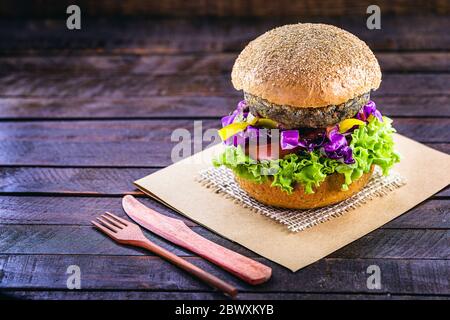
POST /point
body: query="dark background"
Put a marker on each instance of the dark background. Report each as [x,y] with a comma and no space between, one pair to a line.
[83,113]
[219,8]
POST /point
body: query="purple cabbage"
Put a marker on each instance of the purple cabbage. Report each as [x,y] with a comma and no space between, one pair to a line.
[312,144]
[241,107]
[227,120]
[289,139]
[337,147]
[369,109]
[333,144]
[238,139]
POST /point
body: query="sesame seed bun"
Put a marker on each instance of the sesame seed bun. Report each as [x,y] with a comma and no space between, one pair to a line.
[329,192]
[306,65]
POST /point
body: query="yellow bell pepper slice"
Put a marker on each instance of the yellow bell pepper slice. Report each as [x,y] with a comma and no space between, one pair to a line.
[231,129]
[347,124]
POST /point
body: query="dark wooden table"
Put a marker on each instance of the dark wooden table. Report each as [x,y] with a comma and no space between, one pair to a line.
[84,113]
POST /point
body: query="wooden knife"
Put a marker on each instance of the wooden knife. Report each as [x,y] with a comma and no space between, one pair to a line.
[180,234]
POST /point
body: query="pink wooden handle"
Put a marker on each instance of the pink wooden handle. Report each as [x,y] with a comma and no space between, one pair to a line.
[177,232]
[245,268]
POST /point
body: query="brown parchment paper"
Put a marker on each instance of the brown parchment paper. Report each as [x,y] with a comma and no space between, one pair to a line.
[427,171]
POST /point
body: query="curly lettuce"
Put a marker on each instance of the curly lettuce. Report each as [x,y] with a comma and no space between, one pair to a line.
[372,144]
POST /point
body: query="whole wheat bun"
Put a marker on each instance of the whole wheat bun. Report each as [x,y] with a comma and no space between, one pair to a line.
[329,192]
[306,65]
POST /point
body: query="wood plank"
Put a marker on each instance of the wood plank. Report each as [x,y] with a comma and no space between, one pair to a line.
[415,128]
[117,143]
[148,273]
[218,8]
[85,240]
[69,181]
[26,84]
[80,210]
[444,193]
[91,143]
[192,64]
[380,244]
[412,106]
[414,61]
[133,108]
[29,85]
[401,244]
[81,181]
[154,64]
[162,295]
[145,36]
[183,107]
[429,214]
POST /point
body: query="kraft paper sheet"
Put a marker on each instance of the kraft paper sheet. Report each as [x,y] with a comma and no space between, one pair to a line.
[426,171]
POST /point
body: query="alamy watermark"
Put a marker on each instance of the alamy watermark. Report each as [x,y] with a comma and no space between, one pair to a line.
[74,278]
[374,20]
[374,279]
[73,22]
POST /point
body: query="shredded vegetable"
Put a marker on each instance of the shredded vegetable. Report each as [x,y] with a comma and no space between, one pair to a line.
[350,149]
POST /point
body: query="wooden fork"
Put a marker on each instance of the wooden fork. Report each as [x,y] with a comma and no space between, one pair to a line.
[125,232]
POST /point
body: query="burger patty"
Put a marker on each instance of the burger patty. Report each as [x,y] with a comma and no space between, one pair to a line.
[293,118]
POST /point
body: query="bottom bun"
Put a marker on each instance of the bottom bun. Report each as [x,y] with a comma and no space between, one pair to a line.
[329,192]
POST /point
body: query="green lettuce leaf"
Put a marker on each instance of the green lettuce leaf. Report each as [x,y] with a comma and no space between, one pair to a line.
[372,144]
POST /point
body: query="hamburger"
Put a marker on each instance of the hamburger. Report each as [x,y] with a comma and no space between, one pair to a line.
[307,134]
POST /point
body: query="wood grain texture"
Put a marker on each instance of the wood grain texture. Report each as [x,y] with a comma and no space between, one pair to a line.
[218,8]
[81,210]
[48,85]
[116,143]
[84,181]
[192,64]
[118,65]
[24,108]
[124,84]
[52,239]
[401,244]
[175,295]
[85,240]
[75,210]
[152,274]
[127,108]
[170,36]
[67,181]
[91,143]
